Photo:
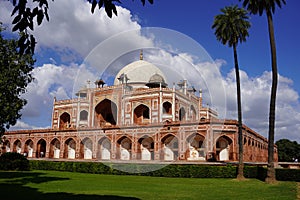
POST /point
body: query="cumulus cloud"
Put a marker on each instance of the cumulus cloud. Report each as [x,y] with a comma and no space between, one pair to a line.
[73,27]
[255,104]
[20,125]
[73,33]
[51,81]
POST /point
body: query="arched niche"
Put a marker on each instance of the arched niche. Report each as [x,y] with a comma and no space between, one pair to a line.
[106,113]
[146,148]
[170,147]
[124,145]
[86,148]
[54,148]
[182,114]
[141,114]
[41,148]
[28,150]
[70,149]
[104,149]
[224,148]
[64,121]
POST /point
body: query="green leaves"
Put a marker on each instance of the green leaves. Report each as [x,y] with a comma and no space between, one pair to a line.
[109,5]
[14,77]
[24,20]
[261,6]
[288,150]
[38,10]
[231,26]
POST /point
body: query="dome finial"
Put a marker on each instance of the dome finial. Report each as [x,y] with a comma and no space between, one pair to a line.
[141,55]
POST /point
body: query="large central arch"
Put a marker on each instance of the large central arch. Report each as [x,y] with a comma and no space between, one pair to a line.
[106,113]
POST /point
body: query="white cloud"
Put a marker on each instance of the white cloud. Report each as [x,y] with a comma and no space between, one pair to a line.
[24,126]
[256,100]
[53,81]
[74,32]
[73,27]
[5,12]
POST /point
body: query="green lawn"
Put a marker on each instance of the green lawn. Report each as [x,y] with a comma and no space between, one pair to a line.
[48,185]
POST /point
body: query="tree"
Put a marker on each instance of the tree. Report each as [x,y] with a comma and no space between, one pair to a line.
[14,77]
[231,27]
[288,151]
[259,7]
[26,12]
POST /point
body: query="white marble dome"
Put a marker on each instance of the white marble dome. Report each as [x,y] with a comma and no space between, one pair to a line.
[138,73]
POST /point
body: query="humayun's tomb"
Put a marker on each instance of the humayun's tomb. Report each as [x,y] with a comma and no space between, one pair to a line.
[137,118]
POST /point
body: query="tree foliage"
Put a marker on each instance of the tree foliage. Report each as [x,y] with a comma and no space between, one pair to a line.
[25,12]
[288,151]
[261,6]
[268,7]
[14,77]
[231,27]
[14,161]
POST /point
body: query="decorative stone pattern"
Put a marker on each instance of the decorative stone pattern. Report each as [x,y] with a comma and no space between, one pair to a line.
[127,122]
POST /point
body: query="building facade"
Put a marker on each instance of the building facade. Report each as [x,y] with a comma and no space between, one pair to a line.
[137,118]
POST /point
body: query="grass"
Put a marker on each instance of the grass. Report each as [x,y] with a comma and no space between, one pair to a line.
[48,185]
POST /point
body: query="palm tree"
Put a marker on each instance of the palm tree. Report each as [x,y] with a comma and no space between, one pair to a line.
[231,27]
[259,7]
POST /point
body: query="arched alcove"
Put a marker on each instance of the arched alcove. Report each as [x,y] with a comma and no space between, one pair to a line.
[170,147]
[104,149]
[124,145]
[141,114]
[54,148]
[70,149]
[182,114]
[28,150]
[106,113]
[41,148]
[86,148]
[224,148]
[64,121]
[146,148]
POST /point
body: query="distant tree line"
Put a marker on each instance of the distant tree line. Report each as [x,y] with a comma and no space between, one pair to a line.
[288,151]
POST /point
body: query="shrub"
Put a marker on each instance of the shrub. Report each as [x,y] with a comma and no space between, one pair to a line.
[288,175]
[14,161]
[172,170]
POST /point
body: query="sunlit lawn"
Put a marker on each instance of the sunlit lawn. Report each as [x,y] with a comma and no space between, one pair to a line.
[67,185]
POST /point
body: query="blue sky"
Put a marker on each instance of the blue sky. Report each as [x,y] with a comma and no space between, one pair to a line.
[73,32]
[194,18]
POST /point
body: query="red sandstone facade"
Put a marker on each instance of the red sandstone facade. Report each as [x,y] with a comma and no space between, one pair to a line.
[137,121]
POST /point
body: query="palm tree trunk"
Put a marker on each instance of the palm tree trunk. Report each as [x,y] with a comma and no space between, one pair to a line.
[271,176]
[240,174]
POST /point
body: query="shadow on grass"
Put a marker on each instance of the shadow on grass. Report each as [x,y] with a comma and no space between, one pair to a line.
[14,188]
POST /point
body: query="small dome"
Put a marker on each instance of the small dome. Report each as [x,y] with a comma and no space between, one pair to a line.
[156,80]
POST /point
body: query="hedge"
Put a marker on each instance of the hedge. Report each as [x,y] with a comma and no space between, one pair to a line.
[171,170]
[13,161]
